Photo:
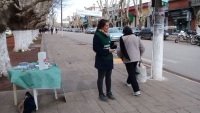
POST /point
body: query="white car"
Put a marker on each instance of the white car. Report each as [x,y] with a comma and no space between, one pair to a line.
[8,32]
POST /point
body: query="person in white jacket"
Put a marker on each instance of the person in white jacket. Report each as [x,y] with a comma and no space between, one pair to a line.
[130,50]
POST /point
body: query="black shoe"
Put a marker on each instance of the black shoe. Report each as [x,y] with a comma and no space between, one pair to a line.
[110,96]
[103,97]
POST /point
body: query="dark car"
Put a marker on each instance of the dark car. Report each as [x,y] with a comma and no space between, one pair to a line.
[70,29]
[136,31]
[147,33]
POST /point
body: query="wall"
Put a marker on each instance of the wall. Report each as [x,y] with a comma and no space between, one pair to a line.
[178,4]
[133,11]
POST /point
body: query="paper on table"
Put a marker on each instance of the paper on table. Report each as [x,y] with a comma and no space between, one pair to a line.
[42,60]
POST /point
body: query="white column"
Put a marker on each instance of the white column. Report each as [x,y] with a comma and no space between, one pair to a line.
[148,22]
[157,52]
[4,56]
[166,21]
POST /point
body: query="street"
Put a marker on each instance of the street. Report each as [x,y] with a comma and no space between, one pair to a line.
[179,58]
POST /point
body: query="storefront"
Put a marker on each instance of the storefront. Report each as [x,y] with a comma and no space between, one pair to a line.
[180,18]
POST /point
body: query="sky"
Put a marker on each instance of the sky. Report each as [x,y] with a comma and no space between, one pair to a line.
[79,4]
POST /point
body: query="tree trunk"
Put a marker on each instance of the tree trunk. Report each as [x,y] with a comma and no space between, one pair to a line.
[4,59]
[35,34]
[23,39]
[29,37]
[157,52]
[198,22]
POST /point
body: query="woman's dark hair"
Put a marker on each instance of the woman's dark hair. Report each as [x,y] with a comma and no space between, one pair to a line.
[102,23]
[127,31]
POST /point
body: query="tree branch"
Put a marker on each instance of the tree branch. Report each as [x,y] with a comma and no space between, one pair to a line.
[34,2]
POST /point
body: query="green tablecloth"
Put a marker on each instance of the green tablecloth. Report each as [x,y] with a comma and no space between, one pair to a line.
[44,79]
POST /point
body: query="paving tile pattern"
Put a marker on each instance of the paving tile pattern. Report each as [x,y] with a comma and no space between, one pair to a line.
[76,62]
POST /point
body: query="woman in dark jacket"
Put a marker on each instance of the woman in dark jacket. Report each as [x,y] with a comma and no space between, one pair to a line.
[104,58]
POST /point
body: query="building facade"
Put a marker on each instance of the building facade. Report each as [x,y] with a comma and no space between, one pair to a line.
[195,5]
[181,15]
[132,10]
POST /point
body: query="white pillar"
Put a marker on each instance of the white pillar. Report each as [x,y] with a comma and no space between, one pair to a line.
[62,31]
[4,56]
[148,22]
[197,29]
[166,21]
[157,52]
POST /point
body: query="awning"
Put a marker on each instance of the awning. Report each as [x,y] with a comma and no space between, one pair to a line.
[131,17]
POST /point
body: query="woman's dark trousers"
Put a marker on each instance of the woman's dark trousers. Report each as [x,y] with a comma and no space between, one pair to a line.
[131,69]
[101,75]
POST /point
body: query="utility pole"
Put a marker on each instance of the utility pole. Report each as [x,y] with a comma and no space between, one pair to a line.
[157,49]
[61,21]
[121,13]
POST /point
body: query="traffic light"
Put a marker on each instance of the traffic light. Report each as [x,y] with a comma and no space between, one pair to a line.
[164,2]
[159,3]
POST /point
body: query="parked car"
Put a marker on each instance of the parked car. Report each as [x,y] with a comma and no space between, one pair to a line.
[135,30]
[90,30]
[114,34]
[147,33]
[86,30]
[64,29]
[119,28]
[70,29]
[75,30]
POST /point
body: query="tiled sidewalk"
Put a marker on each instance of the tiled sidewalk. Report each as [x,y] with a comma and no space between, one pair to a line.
[76,62]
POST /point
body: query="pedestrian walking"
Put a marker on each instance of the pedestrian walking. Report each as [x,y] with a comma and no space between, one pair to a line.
[56,30]
[40,30]
[130,50]
[103,59]
[52,30]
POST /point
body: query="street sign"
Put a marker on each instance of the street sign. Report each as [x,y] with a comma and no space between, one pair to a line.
[165,2]
[89,13]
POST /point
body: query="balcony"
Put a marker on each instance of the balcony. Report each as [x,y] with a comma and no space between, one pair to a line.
[194,3]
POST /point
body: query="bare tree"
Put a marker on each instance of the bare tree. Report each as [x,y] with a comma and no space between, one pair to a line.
[89,18]
[197,15]
[69,20]
[124,8]
[109,10]
[18,15]
[23,22]
[4,18]
[139,11]
[56,6]
[78,21]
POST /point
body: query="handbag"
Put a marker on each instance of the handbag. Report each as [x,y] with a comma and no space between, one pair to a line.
[27,105]
[142,73]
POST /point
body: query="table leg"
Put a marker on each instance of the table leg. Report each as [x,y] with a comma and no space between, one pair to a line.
[37,92]
[35,98]
[15,93]
[56,96]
